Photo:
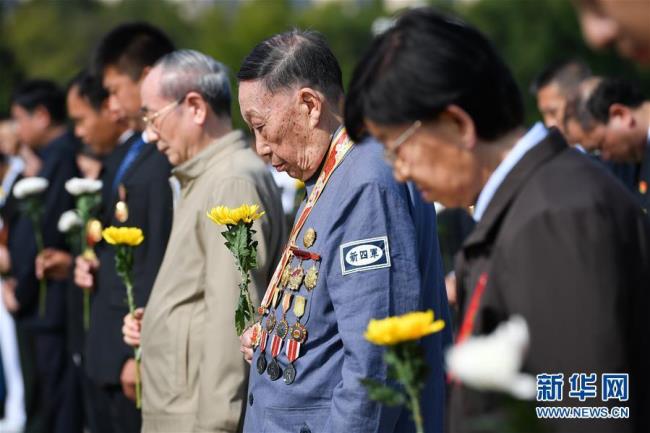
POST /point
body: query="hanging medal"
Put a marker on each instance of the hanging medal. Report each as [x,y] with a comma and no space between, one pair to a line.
[298,331]
[256,334]
[282,328]
[121,209]
[273,368]
[296,277]
[293,351]
[261,359]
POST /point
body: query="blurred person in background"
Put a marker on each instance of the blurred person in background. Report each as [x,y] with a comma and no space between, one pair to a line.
[12,412]
[619,23]
[553,87]
[136,193]
[557,241]
[622,134]
[38,108]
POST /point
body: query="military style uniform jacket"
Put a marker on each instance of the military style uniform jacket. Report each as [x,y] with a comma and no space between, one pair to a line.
[194,376]
[373,244]
[565,246]
[148,198]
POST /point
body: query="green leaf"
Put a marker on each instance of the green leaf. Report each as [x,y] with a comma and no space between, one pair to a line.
[382,393]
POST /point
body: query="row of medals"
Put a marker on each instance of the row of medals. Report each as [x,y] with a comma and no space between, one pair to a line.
[291,279]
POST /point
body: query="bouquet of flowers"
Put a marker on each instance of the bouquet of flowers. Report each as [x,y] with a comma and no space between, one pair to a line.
[29,192]
[404,358]
[239,240]
[125,239]
[87,194]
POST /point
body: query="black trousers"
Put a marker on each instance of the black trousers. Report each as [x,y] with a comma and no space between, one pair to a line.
[114,413]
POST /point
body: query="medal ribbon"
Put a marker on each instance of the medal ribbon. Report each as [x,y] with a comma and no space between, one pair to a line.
[265,336]
[472,310]
[293,350]
[339,148]
[276,343]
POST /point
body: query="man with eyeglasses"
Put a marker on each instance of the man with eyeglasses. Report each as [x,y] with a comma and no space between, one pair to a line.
[137,194]
[194,378]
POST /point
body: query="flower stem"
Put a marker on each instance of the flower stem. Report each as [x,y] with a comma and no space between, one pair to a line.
[86,310]
[131,301]
[42,283]
[415,409]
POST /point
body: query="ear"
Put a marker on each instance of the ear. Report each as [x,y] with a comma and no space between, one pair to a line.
[621,114]
[460,125]
[42,117]
[143,74]
[198,107]
[311,103]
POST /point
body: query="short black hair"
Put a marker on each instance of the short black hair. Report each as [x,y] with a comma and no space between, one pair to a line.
[89,87]
[41,93]
[131,47]
[294,57]
[567,73]
[611,91]
[426,62]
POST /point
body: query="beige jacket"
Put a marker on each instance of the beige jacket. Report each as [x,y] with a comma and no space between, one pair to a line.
[193,374]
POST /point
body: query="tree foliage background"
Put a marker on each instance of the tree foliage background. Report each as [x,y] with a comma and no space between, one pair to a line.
[54,38]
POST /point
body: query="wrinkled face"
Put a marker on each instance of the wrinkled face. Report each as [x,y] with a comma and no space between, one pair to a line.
[433,159]
[281,124]
[95,128]
[168,127]
[623,23]
[123,95]
[31,128]
[551,104]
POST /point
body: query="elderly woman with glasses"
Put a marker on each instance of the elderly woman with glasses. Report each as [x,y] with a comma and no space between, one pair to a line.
[558,241]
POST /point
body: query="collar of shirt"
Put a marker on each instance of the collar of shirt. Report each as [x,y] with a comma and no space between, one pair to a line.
[579,148]
[536,134]
[126,135]
[216,150]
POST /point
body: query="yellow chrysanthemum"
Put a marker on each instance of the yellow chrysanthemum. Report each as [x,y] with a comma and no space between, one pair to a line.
[224,215]
[131,236]
[410,326]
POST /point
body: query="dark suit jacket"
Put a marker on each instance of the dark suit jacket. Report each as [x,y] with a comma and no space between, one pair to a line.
[149,201]
[59,165]
[567,247]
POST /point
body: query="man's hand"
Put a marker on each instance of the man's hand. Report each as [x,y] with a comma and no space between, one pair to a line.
[127,378]
[53,264]
[450,285]
[132,326]
[83,272]
[9,295]
[246,346]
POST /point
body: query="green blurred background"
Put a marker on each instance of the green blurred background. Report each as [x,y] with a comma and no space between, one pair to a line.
[54,38]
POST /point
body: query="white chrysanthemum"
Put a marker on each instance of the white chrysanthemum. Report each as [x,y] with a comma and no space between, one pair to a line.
[30,186]
[493,362]
[69,220]
[77,186]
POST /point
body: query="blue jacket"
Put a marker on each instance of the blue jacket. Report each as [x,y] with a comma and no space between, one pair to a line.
[379,257]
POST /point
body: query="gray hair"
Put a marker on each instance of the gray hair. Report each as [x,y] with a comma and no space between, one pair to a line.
[184,71]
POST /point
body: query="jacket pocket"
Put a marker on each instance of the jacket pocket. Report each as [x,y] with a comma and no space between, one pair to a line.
[296,419]
[181,349]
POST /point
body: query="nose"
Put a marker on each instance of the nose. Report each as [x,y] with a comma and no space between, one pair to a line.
[114,106]
[152,135]
[262,147]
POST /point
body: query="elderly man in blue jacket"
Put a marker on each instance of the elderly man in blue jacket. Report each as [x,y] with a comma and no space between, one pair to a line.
[362,247]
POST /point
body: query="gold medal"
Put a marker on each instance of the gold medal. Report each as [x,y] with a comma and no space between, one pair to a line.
[309,238]
[94,231]
[257,333]
[299,306]
[121,211]
[295,280]
[298,332]
[270,322]
[311,279]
